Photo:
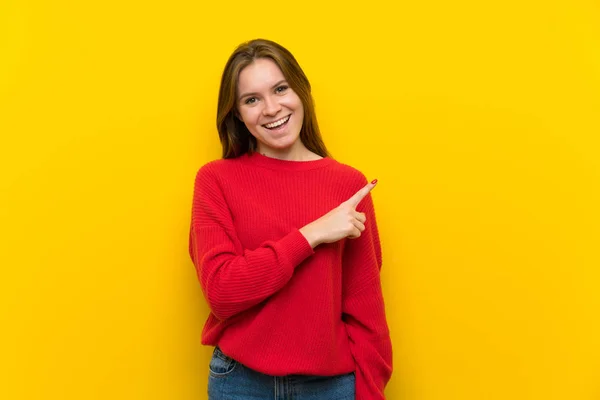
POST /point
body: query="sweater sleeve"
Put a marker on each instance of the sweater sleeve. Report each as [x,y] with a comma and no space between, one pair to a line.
[363,310]
[233,278]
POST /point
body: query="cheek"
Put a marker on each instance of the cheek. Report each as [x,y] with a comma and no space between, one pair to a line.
[298,104]
[294,104]
[248,116]
[298,110]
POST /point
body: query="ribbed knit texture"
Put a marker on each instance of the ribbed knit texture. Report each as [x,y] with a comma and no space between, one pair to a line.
[278,306]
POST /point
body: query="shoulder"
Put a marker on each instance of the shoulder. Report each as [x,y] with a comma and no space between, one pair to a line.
[213,176]
[349,174]
[214,169]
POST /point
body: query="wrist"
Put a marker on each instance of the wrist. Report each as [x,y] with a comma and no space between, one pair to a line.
[311,235]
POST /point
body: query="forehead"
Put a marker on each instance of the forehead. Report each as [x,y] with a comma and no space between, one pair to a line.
[260,75]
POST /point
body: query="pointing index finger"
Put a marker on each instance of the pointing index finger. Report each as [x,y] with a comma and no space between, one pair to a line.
[361,194]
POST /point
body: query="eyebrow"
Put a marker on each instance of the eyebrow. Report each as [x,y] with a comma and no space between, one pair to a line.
[254,93]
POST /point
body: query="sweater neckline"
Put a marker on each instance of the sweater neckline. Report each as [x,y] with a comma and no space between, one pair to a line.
[288,165]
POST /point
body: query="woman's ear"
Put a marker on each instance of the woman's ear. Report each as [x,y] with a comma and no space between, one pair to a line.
[237,114]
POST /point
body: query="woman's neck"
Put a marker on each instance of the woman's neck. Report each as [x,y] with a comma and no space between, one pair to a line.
[293,153]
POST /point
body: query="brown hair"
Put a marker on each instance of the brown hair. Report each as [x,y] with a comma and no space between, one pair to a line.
[235,137]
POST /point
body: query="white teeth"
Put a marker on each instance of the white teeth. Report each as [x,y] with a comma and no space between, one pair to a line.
[277,123]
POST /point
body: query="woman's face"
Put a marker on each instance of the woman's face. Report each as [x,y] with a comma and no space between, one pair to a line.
[267,105]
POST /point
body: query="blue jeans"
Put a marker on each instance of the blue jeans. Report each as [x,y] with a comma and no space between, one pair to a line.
[231,380]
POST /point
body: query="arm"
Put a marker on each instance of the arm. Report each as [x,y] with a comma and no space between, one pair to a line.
[234,279]
[364,310]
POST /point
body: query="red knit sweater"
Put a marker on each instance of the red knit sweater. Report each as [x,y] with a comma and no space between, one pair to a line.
[278,306]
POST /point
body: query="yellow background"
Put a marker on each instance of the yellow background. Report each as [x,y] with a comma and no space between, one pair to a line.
[480,120]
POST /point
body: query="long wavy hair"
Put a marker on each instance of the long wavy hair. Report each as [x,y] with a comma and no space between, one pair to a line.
[235,137]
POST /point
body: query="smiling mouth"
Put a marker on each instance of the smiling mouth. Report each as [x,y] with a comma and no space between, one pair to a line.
[277,124]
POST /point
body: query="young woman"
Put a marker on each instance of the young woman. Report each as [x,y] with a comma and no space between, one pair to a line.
[286,247]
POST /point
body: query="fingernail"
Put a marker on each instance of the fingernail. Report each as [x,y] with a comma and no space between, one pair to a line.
[374,181]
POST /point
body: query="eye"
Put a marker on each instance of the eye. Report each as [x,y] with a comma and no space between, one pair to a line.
[250,100]
[281,89]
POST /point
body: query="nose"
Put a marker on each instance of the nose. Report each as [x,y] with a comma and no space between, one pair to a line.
[272,107]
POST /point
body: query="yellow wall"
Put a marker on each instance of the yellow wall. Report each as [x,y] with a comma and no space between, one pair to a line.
[481,121]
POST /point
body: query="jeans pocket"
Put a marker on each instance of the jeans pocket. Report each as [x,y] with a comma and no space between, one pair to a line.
[220,364]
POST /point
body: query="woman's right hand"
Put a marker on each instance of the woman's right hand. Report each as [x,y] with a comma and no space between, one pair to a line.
[341,222]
